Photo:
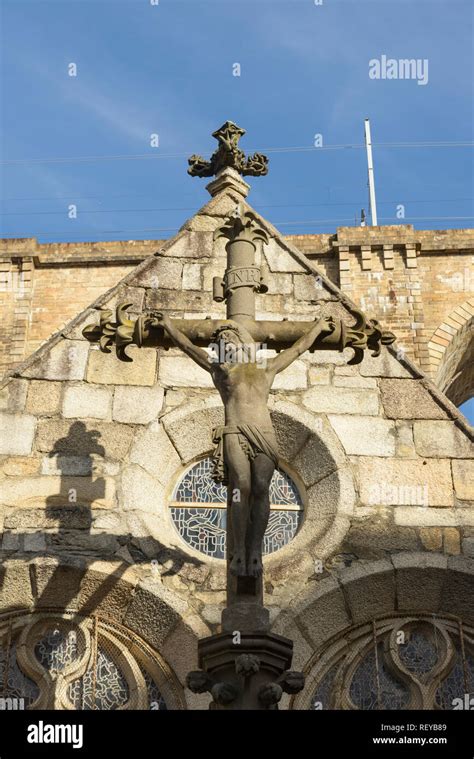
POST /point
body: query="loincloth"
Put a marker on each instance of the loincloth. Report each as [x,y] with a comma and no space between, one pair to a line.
[252,440]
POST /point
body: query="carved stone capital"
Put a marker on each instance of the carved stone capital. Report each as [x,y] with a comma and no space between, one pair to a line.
[243,226]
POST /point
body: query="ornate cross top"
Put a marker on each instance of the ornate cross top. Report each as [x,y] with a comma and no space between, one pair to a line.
[228,155]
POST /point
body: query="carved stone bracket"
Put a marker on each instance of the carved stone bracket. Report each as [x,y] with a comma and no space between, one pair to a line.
[255,678]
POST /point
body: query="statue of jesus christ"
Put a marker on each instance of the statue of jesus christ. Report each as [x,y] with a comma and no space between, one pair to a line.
[246,451]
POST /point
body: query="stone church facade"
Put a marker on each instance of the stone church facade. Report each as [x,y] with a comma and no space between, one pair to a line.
[111,554]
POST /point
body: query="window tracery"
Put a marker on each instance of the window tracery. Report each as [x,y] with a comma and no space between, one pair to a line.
[198,510]
[65,661]
[422,662]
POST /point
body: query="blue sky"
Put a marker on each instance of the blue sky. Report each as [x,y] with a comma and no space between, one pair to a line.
[468,410]
[167,69]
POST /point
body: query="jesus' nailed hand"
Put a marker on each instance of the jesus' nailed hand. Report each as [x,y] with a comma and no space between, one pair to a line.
[247,453]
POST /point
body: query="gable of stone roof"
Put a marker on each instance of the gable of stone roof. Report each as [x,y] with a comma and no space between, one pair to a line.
[194,241]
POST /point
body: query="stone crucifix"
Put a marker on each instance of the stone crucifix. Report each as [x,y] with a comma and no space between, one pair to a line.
[246,452]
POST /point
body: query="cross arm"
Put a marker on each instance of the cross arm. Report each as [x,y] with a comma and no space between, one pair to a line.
[198,355]
[146,331]
[304,343]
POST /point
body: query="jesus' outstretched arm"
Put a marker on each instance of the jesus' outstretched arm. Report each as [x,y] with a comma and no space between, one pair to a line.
[193,351]
[286,357]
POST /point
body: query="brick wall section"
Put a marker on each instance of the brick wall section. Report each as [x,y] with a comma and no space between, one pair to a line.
[60,293]
[16,278]
[419,284]
[44,286]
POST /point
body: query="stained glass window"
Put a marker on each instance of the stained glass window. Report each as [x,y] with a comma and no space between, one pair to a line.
[76,664]
[374,687]
[104,688]
[322,696]
[57,649]
[459,683]
[199,510]
[401,663]
[14,684]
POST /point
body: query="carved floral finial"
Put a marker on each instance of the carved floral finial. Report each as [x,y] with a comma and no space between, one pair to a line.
[242,225]
[228,155]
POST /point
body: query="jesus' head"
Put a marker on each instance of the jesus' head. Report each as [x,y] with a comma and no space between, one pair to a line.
[233,343]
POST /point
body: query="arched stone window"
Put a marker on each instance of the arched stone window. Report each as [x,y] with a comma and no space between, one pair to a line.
[403,662]
[67,661]
[198,510]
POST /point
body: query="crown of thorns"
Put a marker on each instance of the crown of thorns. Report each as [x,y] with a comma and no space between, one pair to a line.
[243,334]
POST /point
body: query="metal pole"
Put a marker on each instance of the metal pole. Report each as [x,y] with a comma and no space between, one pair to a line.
[370,165]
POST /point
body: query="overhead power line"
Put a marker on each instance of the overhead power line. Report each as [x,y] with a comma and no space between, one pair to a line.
[194,209]
[296,149]
[261,205]
[406,220]
[314,222]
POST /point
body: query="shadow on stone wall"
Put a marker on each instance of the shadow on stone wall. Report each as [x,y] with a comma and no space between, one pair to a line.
[69,535]
[71,507]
